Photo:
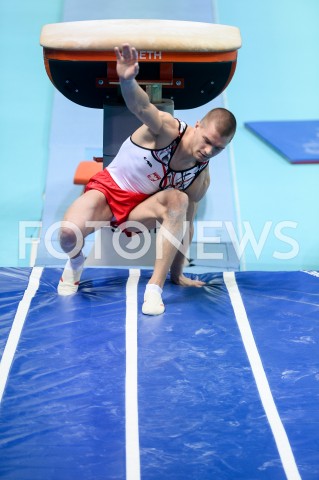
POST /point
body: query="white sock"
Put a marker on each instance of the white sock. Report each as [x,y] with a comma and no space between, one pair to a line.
[75,263]
[153,303]
[152,287]
[69,282]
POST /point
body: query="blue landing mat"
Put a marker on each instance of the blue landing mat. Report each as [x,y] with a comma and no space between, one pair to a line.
[297,141]
[200,415]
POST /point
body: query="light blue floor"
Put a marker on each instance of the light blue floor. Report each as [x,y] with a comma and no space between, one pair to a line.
[276,78]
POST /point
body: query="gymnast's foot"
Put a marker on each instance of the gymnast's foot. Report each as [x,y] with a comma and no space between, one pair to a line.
[69,282]
[153,303]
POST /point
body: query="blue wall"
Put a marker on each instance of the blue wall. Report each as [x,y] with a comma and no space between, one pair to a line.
[277,79]
[25,115]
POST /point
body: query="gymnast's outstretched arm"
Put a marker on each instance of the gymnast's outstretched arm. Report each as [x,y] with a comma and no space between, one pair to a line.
[136,99]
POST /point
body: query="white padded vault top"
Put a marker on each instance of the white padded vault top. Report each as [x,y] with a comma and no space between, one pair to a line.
[165,35]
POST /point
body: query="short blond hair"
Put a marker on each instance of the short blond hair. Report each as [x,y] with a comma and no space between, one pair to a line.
[224,120]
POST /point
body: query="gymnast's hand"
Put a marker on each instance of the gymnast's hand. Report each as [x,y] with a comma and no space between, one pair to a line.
[186,281]
[127,66]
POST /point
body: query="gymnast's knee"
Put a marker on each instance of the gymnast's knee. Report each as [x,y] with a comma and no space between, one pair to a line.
[176,203]
[70,237]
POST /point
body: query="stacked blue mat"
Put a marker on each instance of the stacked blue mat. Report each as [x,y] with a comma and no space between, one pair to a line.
[200,415]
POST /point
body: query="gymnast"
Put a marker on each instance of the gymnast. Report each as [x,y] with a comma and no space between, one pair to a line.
[158,177]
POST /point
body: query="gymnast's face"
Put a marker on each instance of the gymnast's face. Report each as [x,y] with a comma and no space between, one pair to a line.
[207,141]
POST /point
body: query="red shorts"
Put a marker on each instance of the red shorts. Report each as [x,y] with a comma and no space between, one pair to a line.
[120,201]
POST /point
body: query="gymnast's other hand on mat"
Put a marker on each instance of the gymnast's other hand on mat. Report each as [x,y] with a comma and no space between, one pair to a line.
[184,281]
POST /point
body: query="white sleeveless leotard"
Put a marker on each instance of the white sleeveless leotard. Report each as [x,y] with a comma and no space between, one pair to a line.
[142,170]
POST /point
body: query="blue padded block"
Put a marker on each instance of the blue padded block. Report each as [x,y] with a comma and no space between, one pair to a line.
[296,140]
